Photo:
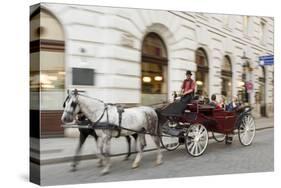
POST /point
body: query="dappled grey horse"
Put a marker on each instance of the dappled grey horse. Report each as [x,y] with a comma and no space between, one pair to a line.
[139,120]
[81,119]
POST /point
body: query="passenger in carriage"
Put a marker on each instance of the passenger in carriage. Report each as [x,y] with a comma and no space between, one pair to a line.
[214,103]
[233,104]
[223,103]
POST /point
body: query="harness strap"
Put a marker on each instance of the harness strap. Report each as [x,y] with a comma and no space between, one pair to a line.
[120,111]
[105,109]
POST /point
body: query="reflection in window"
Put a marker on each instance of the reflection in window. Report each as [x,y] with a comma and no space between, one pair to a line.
[47,80]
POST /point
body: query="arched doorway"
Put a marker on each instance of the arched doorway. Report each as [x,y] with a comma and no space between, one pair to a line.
[47,69]
[226,77]
[261,92]
[202,73]
[154,70]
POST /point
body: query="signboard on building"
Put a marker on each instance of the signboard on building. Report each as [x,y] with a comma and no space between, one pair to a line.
[266,60]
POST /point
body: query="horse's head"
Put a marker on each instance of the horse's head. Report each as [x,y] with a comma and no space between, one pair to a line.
[71,107]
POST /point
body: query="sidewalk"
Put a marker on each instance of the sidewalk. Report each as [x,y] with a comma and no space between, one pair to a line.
[55,150]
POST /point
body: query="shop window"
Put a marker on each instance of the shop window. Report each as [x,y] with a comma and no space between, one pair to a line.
[154,70]
[202,72]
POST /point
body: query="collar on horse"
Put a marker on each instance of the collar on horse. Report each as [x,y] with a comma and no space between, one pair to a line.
[98,124]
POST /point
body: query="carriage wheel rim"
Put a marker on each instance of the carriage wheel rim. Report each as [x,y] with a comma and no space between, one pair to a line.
[247,130]
[196,140]
[172,144]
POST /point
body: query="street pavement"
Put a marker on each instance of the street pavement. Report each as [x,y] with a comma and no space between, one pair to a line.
[56,150]
[217,159]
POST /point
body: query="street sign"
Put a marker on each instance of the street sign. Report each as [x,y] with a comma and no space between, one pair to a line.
[266,60]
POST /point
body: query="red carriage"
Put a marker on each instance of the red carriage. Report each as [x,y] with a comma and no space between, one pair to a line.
[193,126]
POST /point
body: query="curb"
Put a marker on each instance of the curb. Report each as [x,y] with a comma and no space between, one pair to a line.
[94,156]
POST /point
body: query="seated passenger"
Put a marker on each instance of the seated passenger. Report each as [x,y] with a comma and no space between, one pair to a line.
[223,103]
[233,104]
[214,103]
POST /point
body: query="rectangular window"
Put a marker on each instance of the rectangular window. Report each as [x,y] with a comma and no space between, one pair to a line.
[82,76]
[246,24]
[262,31]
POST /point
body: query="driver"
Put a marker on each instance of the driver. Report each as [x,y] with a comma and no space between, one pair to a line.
[187,90]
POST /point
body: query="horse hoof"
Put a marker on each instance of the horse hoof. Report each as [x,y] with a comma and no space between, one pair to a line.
[158,163]
[135,165]
[104,172]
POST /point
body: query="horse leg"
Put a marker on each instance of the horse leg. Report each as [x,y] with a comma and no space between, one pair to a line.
[139,149]
[156,140]
[128,138]
[76,158]
[107,156]
[100,155]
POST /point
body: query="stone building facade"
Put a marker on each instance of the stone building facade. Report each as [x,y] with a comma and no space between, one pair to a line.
[138,56]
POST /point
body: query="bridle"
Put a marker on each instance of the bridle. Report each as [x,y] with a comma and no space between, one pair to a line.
[75,104]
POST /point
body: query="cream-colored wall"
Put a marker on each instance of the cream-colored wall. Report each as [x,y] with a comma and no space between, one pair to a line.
[112,39]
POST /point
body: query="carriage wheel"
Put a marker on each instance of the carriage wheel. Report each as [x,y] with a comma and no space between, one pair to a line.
[169,142]
[196,140]
[247,130]
[219,137]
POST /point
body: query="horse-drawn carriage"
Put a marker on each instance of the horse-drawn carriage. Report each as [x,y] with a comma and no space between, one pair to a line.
[191,128]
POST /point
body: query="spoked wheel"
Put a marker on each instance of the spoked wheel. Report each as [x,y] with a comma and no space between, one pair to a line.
[169,142]
[247,130]
[219,137]
[196,140]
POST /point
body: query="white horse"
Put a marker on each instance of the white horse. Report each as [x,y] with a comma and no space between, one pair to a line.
[137,118]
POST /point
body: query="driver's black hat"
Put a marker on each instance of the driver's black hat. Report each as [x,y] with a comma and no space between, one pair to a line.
[188,72]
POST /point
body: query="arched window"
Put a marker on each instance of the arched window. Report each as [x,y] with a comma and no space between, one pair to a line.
[226,76]
[47,38]
[154,70]
[47,69]
[202,71]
